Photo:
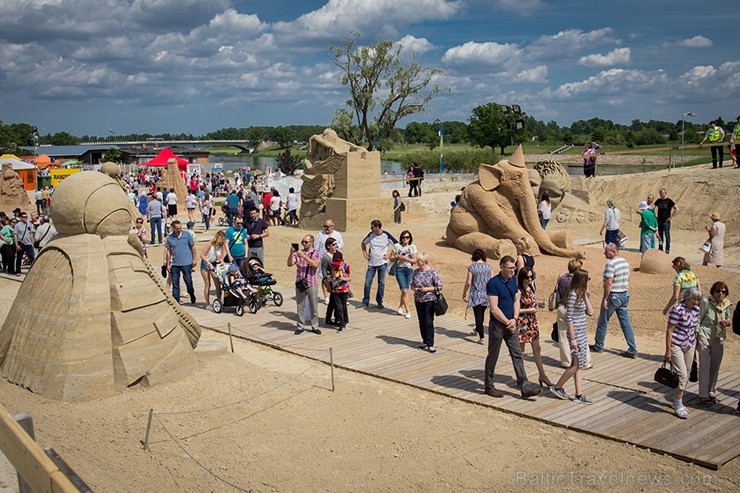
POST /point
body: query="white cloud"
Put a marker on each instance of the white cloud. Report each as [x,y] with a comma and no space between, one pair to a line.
[382,18]
[696,42]
[489,53]
[614,81]
[569,42]
[615,57]
[522,7]
[537,74]
[697,74]
[411,44]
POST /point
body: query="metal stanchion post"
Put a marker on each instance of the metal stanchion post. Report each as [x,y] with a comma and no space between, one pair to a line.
[145,443]
[231,339]
[331,362]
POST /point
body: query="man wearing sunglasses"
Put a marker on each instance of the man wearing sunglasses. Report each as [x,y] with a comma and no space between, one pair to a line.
[327,232]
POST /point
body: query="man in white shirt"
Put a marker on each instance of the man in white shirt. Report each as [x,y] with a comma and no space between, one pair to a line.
[611,223]
[377,260]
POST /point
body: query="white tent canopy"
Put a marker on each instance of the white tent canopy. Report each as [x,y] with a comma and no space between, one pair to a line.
[17,163]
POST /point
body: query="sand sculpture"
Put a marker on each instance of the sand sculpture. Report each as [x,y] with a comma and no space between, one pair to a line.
[499,207]
[341,181]
[171,178]
[12,193]
[91,317]
[656,262]
[111,169]
[567,204]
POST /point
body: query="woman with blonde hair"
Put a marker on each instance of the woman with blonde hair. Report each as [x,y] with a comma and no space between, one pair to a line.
[578,306]
[563,284]
[425,284]
[213,254]
[716,232]
[685,279]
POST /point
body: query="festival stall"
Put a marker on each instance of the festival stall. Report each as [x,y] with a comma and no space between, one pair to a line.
[26,171]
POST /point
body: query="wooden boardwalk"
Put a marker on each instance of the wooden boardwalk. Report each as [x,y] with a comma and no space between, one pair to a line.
[628,405]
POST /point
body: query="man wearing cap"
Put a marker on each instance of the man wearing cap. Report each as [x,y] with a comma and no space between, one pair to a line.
[715,135]
[648,227]
[180,258]
[616,298]
[667,209]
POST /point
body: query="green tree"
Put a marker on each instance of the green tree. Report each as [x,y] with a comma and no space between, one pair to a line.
[456,132]
[287,163]
[64,139]
[113,155]
[255,136]
[282,135]
[343,124]
[382,88]
[490,127]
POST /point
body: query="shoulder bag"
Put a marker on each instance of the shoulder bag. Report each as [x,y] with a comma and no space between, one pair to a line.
[666,376]
[553,300]
[440,303]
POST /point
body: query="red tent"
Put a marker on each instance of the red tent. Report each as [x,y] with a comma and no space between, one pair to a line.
[160,160]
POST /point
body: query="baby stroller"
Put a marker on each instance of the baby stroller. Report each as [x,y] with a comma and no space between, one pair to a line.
[262,281]
[236,291]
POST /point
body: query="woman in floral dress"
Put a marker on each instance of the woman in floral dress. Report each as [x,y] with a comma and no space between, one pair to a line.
[526,324]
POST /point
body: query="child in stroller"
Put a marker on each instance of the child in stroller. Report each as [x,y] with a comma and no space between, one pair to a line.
[236,289]
[255,274]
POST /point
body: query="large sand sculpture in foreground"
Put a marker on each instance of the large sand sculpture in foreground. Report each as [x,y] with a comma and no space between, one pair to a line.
[91,317]
[500,207]
[341,181]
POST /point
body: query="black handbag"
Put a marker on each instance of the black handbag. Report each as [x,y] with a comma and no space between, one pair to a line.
[440,304]
[666,376]
[554,334]
[301,285]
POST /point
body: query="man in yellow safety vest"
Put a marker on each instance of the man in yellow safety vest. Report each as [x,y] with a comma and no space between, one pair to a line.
[715,135]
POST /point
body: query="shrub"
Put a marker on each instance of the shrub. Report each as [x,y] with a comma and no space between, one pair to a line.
[455,161]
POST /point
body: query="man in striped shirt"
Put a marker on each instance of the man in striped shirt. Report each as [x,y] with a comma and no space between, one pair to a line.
[616,299]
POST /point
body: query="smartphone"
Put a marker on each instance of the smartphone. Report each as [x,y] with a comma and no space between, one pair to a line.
[295,246]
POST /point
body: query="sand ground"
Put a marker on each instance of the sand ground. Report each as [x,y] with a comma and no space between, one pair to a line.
[273,424]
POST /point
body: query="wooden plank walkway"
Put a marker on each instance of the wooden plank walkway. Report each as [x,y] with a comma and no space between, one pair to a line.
[628,405]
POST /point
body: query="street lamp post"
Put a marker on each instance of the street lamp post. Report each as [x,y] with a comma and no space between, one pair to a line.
[442,147]
[683,131]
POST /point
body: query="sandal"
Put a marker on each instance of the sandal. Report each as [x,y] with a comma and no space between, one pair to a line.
[431,349]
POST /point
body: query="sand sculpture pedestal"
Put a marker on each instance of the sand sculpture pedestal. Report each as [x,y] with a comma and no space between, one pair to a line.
[341,181]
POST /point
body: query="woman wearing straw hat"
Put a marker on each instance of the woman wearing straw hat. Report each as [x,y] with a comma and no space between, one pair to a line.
[716,232]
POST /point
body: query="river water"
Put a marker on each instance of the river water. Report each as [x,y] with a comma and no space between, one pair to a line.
[396,168]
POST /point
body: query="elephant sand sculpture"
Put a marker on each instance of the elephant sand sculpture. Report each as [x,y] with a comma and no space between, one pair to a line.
[91,317]
[500,207]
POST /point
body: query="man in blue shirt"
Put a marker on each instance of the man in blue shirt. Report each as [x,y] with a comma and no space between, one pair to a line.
[180,258]
[154,211]
[503,298]
[236,236]
[234,203]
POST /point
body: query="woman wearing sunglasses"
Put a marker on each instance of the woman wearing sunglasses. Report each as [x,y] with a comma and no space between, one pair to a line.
[404,256]
[715,316]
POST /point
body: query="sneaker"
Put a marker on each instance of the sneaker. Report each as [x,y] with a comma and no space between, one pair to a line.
[559,393]
[628,354]
[315,330]
[594,349]
[326,300]
[531,391]
[408,315]
[299,330]
[365,306]
[582,399]
[192,299]
[682,412]
[400,311]
[380,306]
[341,328]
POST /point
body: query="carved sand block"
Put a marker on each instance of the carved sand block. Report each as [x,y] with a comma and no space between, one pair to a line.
[656,262]
[341,181]
[91,318]
[12,192]
[500,207]
[171,178]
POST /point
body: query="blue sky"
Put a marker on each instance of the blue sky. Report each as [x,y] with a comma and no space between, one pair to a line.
[194,66]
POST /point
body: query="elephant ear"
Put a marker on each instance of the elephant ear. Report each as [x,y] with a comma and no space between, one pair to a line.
[489,176]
